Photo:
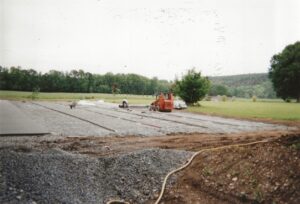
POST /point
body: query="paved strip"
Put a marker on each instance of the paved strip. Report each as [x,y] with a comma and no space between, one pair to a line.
[208,123]
[80,118]
[164,119]
[122,118]
[174,126]
[61,124]
[121,127]
[205,120]
[13,121]
[166,127]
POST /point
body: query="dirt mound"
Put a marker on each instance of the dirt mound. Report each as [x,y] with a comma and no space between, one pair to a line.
[55,176]
[261,173]
[112,146]
[95,169]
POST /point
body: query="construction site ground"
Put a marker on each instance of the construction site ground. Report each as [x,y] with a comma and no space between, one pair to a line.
[98,152]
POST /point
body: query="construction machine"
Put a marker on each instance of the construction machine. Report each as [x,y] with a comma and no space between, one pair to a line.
[163,103]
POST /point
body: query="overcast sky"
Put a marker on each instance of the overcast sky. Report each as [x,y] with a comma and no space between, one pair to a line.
[160,38]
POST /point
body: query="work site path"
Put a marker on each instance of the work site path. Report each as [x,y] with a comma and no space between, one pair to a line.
[108,119]
[58,123]
[14,121]
[166,126]
[116,126]
[203,123]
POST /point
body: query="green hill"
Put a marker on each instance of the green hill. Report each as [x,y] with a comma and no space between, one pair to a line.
[245,85]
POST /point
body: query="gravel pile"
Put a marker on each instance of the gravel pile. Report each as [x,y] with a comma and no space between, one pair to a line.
[55,176]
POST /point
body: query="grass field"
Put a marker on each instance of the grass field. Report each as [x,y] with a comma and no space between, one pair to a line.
[277,110]
[245,108]
[21,95]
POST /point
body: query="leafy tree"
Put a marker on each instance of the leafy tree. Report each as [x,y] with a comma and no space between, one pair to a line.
[268,90]
[193,87]
[53,81]
[217,89]
[4,78]
[285,72]
[115,90]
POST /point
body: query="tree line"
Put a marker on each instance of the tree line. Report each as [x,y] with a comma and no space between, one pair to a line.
[283,80]
[16,78]
[262,90]
[243,86]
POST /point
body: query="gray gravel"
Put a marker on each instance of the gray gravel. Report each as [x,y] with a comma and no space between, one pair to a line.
[13,121]
[59,124]
[61,120]
[55,176]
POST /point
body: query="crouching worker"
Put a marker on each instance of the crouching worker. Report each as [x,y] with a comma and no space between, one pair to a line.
[73,105]
[124,104]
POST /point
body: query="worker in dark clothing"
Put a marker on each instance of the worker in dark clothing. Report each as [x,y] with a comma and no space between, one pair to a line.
[73,105]
[124,104]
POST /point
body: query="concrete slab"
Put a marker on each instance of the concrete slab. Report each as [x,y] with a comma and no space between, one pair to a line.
[13,121]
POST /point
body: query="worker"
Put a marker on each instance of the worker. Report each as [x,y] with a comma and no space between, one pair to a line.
[73,105]
[124,104]
[152,107]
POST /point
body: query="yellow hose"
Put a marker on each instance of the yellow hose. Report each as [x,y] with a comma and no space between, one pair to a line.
[191,159]
[186,165]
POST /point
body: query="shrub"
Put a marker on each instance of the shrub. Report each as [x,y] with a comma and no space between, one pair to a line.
[208,98]
[35,94]
[288,100]
[192,87]
[224,98]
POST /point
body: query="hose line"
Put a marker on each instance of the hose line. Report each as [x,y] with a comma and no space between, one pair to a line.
[185,166]
[191,159]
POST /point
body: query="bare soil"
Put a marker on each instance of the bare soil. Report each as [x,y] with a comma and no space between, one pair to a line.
[261,173]
[116,145]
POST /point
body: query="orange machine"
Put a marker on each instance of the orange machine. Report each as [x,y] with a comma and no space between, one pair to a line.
[163,103]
